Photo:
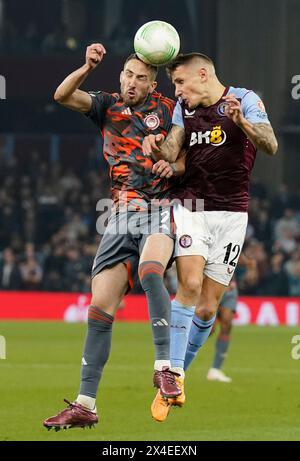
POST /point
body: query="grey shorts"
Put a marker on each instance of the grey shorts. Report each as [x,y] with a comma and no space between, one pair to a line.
[125,237]
[229,300]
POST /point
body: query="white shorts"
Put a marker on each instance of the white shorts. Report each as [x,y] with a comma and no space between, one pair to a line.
[218,236]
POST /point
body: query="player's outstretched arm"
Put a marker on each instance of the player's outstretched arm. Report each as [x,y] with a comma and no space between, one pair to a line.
[68,93]
[167,149]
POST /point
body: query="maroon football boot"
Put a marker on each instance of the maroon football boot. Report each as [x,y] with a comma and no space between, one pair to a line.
[166,382]
[75,415]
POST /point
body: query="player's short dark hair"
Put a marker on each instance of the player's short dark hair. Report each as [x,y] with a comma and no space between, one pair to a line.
[183,59]
[154,69]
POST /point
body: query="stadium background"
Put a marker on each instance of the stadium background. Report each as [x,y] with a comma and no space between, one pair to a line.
[52,175]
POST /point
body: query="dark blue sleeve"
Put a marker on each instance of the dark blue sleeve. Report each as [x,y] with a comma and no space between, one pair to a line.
[101,101]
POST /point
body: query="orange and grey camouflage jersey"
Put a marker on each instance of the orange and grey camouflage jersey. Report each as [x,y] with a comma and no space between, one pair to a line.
[123,130]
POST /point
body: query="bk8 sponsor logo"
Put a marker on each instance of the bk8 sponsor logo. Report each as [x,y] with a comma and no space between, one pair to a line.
[215,137]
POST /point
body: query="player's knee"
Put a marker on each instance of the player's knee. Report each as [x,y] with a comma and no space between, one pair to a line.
[191,287]
[100,303]
[226,326]
[207,311]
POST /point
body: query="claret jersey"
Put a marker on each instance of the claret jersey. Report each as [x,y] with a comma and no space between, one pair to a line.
[219,157]
[123,129]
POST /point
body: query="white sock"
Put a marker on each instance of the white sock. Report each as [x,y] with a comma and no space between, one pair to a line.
[86,401]
[159,364]
[179,370]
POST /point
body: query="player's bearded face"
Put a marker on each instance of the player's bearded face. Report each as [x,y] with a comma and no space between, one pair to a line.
[136,83]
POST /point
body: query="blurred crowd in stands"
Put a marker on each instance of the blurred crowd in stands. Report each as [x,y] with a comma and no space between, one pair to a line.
[56,41]
[48,215]
[48,228]
[67,27]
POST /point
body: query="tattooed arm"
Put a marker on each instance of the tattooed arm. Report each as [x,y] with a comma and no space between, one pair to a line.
[261,134]
[173,143]
[167,149]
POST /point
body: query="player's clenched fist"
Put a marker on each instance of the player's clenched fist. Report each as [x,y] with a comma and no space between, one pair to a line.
[152,143]
[94,55]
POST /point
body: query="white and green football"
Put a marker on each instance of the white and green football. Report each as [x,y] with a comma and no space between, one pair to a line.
[157,43]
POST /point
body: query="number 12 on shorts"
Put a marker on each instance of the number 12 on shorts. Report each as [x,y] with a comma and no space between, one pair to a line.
[231,255]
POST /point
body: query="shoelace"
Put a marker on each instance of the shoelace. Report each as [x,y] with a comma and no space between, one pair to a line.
[170,376]
[74,405]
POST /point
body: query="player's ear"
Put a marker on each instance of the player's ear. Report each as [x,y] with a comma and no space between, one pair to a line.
[121,75]
[153,86]
[203,74]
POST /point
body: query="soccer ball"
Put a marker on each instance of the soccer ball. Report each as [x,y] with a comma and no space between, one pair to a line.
[156,43]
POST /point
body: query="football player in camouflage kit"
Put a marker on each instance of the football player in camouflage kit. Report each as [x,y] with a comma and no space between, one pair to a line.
[138,236]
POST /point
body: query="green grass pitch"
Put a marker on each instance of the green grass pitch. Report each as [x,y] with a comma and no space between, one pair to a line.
[43,367]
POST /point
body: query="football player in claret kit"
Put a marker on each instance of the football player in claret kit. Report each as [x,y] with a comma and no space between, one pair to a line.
[138,236]
[222,128]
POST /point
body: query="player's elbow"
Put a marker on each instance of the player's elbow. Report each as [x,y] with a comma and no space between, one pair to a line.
[270,147]
[58,97]
[273,147]
[275,150]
